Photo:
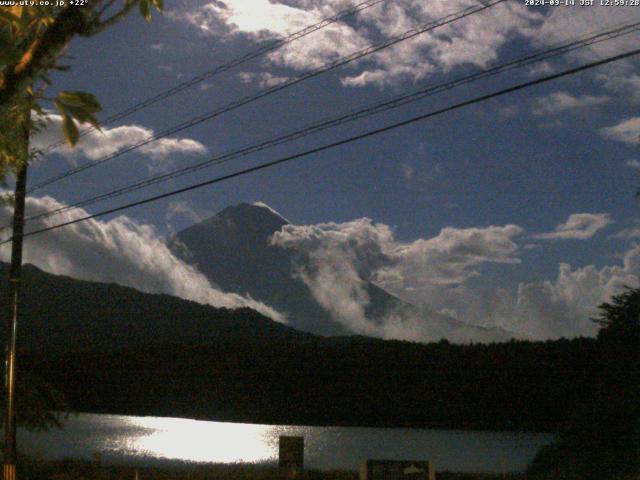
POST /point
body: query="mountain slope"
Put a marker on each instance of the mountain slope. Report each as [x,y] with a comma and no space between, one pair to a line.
[62,313]
[232,250]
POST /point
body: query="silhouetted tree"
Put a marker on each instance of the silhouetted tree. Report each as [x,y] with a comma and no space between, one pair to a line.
[602,440]
[620,319]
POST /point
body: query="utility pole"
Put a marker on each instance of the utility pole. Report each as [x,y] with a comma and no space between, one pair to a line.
[15,279]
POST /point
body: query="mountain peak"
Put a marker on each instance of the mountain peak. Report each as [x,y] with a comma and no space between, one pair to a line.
[249,214]
[270,209]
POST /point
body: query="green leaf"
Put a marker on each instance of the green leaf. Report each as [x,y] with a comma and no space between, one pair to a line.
[82,100]
[70,130]
[82,116]
[145,10]
[159,4]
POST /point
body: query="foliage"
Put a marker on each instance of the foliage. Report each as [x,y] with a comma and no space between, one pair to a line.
[84,470]
[13,137]
[620,319]
[33,38]
[32,41]
[40,405]
[602,440]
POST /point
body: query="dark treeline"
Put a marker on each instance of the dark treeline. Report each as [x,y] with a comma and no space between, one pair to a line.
[515,385]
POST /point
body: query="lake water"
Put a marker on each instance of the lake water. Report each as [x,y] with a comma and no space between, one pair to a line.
[147,440]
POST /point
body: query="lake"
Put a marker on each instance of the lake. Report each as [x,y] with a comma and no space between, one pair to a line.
[148,440]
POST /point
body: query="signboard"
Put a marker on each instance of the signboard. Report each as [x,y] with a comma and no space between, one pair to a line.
[291,457]
[396,470]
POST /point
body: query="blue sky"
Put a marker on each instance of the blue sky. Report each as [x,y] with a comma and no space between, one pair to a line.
[518,212]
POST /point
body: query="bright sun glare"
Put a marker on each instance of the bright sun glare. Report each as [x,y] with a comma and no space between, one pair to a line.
[197,441]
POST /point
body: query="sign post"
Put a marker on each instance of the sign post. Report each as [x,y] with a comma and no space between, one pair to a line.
[291,458]
[397,470]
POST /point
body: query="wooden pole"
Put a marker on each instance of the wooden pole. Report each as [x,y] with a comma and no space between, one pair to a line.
[15,281]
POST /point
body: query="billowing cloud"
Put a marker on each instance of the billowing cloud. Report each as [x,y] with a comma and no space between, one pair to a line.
[98,144]
[627,131]
[622,79]
[434,276]
[474,40]
[559,102]
[562,24]
[579,226]
[337,259]
[182,208]
[121,251]
[564,306]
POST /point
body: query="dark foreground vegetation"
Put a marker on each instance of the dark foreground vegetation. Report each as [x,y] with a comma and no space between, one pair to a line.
[110,349]
[83,470]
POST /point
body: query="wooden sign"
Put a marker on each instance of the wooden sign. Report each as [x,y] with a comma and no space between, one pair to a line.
[396,470]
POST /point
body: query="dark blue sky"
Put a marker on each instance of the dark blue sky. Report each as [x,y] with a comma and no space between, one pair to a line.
[533,159]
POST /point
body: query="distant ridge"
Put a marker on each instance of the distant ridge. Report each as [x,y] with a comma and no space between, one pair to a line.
[62,313]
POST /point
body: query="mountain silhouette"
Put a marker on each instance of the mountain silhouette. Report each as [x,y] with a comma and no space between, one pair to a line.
[62,313]
[232,249]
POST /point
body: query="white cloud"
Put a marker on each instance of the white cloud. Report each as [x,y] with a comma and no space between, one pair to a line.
[336,261]
[558,102]
[626,234]
[627,131]
[264,79]
[205,86]
[635,164]
[98,144]
[565,306]
[182,208]
[120,251]
[541,69]
[562,24]
[579,226]
[623,79]
[452,257]
[474,40]
[248,16]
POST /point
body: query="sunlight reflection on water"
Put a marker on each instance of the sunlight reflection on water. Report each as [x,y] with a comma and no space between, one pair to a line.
[195,441]
[146,440]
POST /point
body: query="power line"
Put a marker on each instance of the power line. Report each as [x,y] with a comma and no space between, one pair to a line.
[398,101]
[329,146]
[252,55]
[268,91]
